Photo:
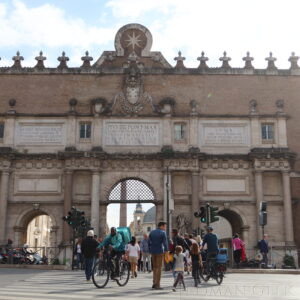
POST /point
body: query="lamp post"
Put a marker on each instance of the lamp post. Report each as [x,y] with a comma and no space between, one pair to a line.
[168,203]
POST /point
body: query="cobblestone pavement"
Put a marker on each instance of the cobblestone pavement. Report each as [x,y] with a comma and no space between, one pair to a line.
[72,285]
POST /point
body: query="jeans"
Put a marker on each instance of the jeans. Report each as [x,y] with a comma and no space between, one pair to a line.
[179,279]
[196,270]
[265,258]
[116,256]
[78,260]
[89,263]
[146,256]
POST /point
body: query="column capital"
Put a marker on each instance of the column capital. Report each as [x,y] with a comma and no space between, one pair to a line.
[5,172]
[69,171]
[256,172]
[96,172]
[286,171]
[195,173]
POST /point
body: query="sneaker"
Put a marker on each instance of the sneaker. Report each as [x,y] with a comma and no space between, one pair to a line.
[158,288]
[135,273]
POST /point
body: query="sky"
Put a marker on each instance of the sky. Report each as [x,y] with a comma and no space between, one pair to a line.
[192,26]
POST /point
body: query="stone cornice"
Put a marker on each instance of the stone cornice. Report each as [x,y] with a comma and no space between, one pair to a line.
[151,71]
[154,115]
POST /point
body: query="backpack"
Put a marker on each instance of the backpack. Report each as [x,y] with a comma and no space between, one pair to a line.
[125,233]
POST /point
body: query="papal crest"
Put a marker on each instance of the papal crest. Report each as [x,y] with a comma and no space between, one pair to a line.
[133,98]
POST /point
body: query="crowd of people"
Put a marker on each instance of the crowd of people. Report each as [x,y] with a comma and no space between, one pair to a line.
[179,254]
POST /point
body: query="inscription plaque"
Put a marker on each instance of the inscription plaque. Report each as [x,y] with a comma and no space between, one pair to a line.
[224,135]
[131,134]
[40,134]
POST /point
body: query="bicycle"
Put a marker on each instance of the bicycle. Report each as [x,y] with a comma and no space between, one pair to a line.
[215,271]
[105,268]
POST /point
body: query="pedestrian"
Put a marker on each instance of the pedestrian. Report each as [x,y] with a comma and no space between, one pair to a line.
[187,239]
[158,246]
[78,254]
[179,241]
[133,253]
[196,263]
[88,249]
[212,242]
[140,259]
[9,251]
[146,253]
[237,245]
[179,267]
[264,249]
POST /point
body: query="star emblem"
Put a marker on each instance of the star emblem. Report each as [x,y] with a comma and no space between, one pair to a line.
[133,40]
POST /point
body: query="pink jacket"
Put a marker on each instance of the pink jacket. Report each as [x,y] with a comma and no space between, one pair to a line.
[237,244]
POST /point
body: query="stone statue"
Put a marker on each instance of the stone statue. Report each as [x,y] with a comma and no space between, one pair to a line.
[182,223]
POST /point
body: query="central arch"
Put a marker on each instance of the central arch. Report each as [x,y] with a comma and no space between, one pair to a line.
[127,193]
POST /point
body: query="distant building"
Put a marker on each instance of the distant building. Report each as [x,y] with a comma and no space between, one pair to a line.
[143,222]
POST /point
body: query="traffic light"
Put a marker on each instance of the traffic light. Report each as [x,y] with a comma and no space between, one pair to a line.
[263,214]
[213,212]
[201,214]
[263,218]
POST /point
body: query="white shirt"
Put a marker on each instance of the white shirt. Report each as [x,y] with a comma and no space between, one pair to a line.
[133,250]
[78,248]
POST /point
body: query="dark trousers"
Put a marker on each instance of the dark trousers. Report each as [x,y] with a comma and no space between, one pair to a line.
[196,270]
[237,256]
[89,262]
[265,258]
[116,256]
[179,278]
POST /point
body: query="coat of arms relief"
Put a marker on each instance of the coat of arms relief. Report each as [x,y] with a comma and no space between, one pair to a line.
[133,98]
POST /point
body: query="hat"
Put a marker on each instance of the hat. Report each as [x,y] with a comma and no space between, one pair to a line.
[209,228]
[90,233]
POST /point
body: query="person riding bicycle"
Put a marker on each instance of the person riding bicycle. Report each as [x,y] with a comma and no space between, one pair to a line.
[117,248]
[211,240]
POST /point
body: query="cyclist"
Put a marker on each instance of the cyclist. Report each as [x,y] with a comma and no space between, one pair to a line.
[117,248]
[211,240]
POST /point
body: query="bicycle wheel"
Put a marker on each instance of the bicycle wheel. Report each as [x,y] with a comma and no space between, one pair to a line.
[219,278]
[124,273]
[100,274]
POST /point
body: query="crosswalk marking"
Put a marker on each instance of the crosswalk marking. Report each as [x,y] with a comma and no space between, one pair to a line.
[62,285]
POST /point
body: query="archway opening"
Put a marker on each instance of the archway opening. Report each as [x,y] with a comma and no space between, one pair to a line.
[38,232]
[132,203]
[229,223]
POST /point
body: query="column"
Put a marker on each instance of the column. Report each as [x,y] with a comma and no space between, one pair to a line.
[123,206]
[103,221]
[67,203]
[166,190]
[95,202]
[259,198]
[3,204]
[195,200]
[287,209]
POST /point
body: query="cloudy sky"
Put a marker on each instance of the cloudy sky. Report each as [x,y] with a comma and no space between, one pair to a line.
[237,26]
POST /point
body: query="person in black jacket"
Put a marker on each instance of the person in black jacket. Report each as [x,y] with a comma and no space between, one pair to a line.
[179,241]
[88,248]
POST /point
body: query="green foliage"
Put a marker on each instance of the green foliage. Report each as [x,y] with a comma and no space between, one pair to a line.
[289,261]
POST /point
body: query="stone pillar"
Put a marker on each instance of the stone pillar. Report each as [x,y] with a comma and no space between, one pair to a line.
[159,213]
[95,201]
[103,214]
[166,198]
[195,200]
[67,203]
[3,204]
[123,206]
[287,209]
[245,234]
[259,198]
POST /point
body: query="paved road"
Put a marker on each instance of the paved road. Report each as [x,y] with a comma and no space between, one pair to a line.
[61,285]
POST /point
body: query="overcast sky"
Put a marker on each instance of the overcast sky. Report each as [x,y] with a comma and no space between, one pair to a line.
[237,26]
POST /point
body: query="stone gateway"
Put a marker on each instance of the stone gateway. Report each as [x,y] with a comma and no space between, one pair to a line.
[227,136]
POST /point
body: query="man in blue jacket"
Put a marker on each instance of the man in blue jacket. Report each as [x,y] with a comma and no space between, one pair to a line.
[117,247]
[158,246]
[264,249]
